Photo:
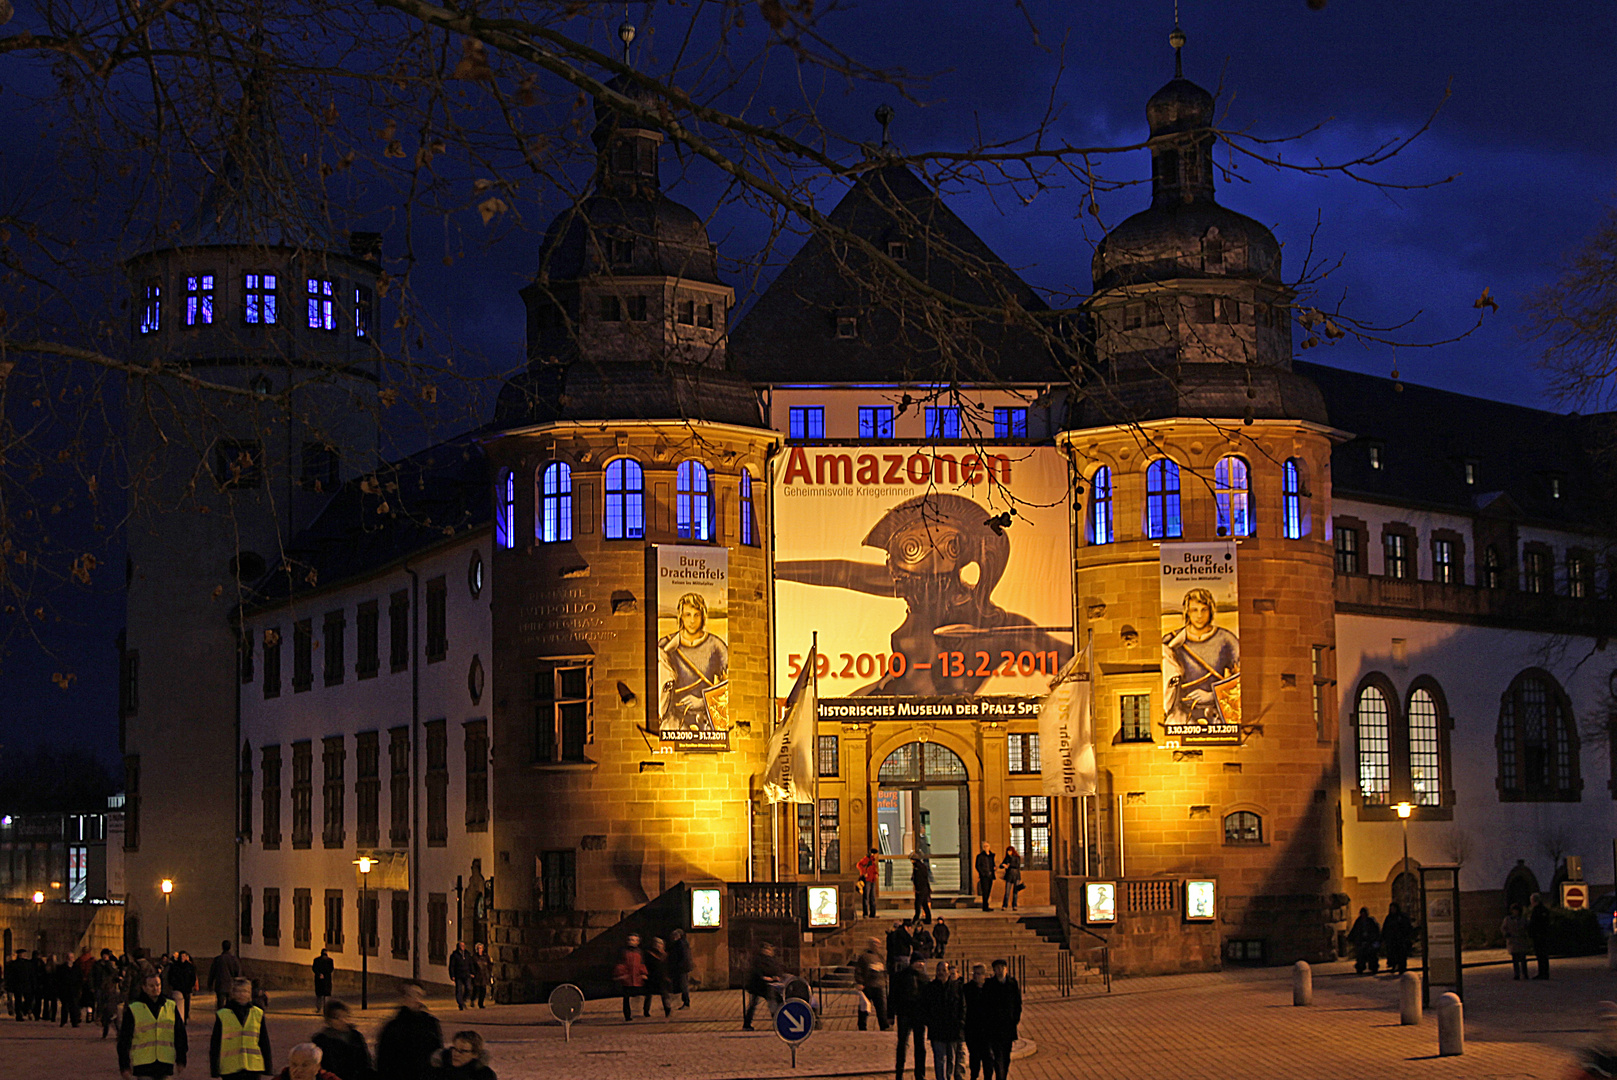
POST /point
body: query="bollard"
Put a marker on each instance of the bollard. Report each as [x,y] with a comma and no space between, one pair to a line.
[1611,953]
[1450,1026]
[1409,1009]
[1302,983]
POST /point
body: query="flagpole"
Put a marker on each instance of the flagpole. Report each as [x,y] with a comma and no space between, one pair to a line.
[814,817]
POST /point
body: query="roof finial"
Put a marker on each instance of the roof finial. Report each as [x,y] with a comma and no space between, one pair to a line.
[626,33]
[884,117]
[1177,40]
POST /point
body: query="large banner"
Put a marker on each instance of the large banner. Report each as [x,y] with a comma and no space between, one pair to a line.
[691,659]
[1201,645]
[928,572]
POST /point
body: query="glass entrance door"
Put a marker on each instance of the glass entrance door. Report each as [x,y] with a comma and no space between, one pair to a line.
[929,821]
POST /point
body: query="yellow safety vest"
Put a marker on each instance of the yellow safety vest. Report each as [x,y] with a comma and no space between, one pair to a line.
[154,1035]
[238,1042]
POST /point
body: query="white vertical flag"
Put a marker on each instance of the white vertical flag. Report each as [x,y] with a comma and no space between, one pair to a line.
[1067,729]
[791,773]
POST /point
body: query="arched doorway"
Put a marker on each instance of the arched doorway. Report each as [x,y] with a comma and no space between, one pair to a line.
[922,806]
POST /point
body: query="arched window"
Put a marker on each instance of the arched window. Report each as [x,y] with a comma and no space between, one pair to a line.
[1232,488]
[749,518]
[1162,500]
[1538,745]
[1374,722]
[919,763]
[1243,827]
[693,504]
[554,521]
[1292,522]
[505,510]
[1100,506]
[625,501]
[1425,749]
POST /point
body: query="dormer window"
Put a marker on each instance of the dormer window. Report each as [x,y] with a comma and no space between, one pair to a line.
[685,312]
[620,249]
[635,157]
[847,326]
[1212,251]
[1374,452]
[898,250]
[1470,469]
[704,316]
[1555,487]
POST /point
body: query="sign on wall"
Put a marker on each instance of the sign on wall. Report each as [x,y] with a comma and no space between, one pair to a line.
[1201,645]
[919,585]
[690,663]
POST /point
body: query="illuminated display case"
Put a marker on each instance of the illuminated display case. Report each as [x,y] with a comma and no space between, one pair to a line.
[823,910]
[1100,903]
[705,909]
[1201,900]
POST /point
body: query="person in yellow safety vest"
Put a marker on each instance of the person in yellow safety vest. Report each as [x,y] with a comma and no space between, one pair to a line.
[240,1048]
[151,1039]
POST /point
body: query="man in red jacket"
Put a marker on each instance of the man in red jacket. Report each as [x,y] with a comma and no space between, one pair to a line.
[631,976]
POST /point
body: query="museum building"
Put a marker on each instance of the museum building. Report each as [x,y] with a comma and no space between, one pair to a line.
[596,604]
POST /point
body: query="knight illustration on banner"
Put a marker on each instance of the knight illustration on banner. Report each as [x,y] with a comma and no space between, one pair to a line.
[1201,660]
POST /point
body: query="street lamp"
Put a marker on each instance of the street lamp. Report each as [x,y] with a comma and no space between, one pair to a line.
[1404,810]
[39,904]
[364,862]
[168,891]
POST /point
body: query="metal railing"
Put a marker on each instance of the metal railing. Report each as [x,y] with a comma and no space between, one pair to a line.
[1068,962]
[764,900]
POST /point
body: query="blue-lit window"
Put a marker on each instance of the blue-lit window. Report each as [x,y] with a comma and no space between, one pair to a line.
[693,503]
[876,422]
[505,513]
[362,311]
[943,422]
[1162,500]
[1291,499]
[259,291]
[806,422]
[554,522]
[1100,506]
[1010,423]
[1232,489]
[199,300]
[322,304]
[151,311]
[625,501]
[749,516]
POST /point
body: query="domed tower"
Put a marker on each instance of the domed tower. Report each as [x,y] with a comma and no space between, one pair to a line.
[268,327]
[629,474]
[1199,431]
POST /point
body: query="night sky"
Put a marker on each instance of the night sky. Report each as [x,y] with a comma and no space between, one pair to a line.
[1529,129]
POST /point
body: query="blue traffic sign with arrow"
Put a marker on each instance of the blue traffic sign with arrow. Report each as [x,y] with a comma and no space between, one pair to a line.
[794,1023]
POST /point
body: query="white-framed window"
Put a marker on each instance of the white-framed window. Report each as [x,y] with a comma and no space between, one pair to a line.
[1374,744]
[1425,756]
[625,516]
[693,502]
[1162,520]
[553,523]
[322,304]
[199,300]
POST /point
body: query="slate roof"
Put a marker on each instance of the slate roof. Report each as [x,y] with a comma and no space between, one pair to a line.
[1427,435]
[789,335]
[585,390]
[433,497]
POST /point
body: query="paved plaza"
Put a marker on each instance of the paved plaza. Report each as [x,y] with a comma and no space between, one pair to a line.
[1233,1024]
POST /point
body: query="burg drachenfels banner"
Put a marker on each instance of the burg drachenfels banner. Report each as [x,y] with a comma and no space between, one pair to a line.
[1201,645]
[900,558]
[691,656]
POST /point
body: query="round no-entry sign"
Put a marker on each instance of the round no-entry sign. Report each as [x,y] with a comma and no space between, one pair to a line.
[1574,896]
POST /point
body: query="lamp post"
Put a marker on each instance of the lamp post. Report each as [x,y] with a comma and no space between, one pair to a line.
[168,891]
[39,904]
[1404,810]
[364,862]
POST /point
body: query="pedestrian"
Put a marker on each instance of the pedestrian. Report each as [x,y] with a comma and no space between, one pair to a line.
[976,1027]
[900,943]
[1002,1004]
[945,1008]
[324,968]
[68,989]
[44,987]
[909,1013]
[1517,943]
[109,996]
[631,975]
[343,1052]
[303,1063]
[223,973]
[924,948]
[1397,935]
[151,1039]
[1538,928]
[921,881]
[240,1046]
[406,1044]
[763,982]
[1012,865]
[460,973]
[482,972]
[985,865]
[19,974]
[465,1058]
[1365,937]
[679,966]
[86,965]
[182,978]
[657,976]
[871,975]
[940,936]
[868,868]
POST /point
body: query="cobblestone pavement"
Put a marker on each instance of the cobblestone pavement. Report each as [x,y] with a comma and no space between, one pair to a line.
[1235,1024]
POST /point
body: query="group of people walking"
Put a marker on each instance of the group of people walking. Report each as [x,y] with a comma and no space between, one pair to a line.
[1526,933]
[663,969]
[976,1017]
[472,972]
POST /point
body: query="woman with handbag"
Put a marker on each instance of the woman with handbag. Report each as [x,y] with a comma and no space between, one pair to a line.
[1012,865]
